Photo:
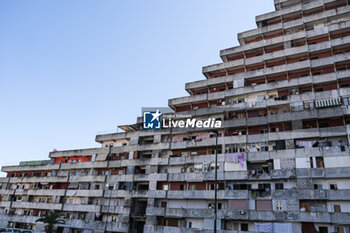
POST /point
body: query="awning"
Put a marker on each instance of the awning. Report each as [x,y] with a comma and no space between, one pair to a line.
[328,103]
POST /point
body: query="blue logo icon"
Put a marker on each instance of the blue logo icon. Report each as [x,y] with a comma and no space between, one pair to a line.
[151,119]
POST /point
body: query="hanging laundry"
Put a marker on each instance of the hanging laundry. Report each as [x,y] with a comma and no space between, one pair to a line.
[240,159]
[235,158]
[264,227]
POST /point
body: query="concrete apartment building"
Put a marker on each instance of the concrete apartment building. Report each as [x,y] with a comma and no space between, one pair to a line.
[283,97]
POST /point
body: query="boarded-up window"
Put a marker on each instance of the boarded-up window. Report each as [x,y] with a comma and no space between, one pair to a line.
[263,204]
[237,204]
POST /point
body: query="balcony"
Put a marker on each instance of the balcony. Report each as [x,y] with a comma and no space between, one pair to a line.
[45,192]
[89,193]
[164,229]
[41,179]
[189,176]
[340,218]
[316,217]
[36,205]
[282,174]
[288,194]
[207,194]
[116,209]
[117,194]
[222,214]
[340,194]
[82,208]
[28,168]
[310,194]
[19,218]
[7,191]
[117,178]
[79,152]
[97,225]
[5,204]
[153,176]
[157,194]
[87,178]
[140,194]
[84,165]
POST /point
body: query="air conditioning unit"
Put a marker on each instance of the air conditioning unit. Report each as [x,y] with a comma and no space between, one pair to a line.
[241,212]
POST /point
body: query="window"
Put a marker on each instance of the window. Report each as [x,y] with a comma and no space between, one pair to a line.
[279,206]
[340,229]
[219,206]
[309,105]
[318,186]
[244,227]
[110,186]
[333,186]
[263,205]
[279,186]
[337,208]
[311,162]
[323,229]
[263,131]
[212,167]
[319,162]
[163,204]
[241,186]
[192,187]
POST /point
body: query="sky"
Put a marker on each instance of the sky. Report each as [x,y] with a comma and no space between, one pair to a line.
[72,69]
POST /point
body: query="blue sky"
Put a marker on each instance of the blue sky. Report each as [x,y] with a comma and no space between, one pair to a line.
[72,69]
